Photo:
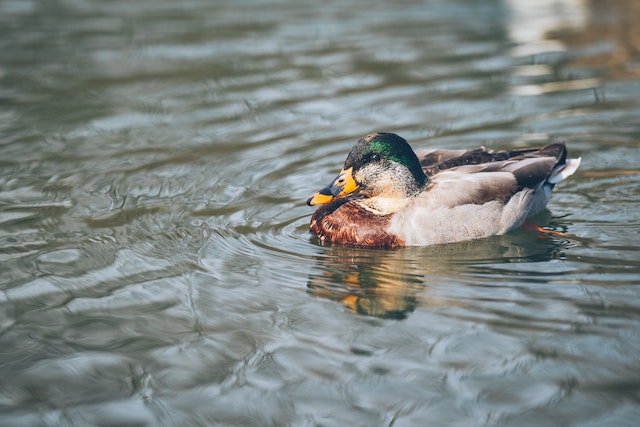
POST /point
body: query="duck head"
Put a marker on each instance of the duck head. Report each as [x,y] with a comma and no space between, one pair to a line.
[380,165]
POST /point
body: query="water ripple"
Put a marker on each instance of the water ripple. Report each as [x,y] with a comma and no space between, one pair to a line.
[156,263]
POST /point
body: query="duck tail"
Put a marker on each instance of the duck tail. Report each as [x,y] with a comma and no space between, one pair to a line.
[564,167]
[564,170]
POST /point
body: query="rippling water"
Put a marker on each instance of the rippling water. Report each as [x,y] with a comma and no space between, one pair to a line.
[156,266]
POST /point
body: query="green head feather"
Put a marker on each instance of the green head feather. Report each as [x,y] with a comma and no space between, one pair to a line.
[389,146]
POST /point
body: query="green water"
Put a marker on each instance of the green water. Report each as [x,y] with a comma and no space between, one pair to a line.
[155,262]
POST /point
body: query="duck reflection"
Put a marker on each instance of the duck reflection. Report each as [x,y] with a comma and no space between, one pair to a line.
[393,283]
[367,282]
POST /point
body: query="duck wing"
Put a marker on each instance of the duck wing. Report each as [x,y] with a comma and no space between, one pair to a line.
[434,161]
[479,176]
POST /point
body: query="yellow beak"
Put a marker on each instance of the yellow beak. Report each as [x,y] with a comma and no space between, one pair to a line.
[343,185]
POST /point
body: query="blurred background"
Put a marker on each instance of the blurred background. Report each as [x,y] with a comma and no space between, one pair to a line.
[155,261]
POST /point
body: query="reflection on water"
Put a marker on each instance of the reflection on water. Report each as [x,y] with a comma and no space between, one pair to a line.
[595,38]
[155,261]
[374,283]
[391,284]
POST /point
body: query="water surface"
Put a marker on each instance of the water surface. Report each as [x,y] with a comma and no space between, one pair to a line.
[155,261]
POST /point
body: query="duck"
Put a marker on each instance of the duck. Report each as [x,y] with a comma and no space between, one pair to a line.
[388,196]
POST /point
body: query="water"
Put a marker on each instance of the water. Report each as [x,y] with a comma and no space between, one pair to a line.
[156,266]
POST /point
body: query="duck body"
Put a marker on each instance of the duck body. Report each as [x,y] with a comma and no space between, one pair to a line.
[389,196]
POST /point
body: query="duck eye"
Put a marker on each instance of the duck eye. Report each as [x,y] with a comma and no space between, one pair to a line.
[375,157]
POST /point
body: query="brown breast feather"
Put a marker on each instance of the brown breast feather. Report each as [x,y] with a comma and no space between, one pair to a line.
[346,222]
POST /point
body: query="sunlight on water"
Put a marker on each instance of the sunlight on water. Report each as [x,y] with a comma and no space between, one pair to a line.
[156,265]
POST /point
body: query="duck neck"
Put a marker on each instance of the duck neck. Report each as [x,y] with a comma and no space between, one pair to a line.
[382,205]
[393,198]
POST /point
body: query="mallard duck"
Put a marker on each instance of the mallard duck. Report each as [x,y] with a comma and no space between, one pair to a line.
[388,196]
